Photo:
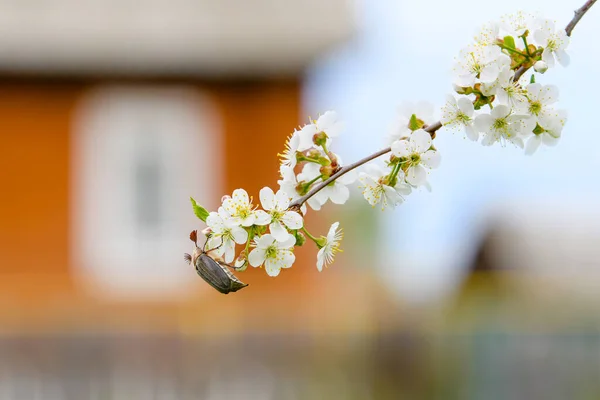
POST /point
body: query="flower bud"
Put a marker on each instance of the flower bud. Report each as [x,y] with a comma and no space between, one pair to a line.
[320,139]
[206,231]
[314,153]
[241,263]
[300,238]
[540,67]
[326,171]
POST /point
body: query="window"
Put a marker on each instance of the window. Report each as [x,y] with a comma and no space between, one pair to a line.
[139,153]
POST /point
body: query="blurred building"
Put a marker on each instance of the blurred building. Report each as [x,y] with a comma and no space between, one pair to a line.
[113,113]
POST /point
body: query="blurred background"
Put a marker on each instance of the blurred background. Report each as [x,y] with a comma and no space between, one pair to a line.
[113,113]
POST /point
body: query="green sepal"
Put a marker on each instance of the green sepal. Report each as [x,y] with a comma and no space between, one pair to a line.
[532,80]
[509,41]
[200,211]
[538,130]
[413,124]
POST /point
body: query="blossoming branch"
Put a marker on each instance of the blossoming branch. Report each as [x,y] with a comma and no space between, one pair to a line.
[496,100]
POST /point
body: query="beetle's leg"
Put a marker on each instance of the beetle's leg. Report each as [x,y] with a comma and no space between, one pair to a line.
[214,248]
[232,266]
[206,241]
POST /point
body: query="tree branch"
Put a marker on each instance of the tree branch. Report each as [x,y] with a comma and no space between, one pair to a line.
[344,170]
[579,13]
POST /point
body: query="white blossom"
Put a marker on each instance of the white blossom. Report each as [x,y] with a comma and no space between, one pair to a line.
[487,34]
[311,172]
[504,79]
[459,113]
[418,156]
[240,208]
[331,246]
[554,41]
[483,63]
[327,123]
[511,94]
[289,183]
[277,216]
[292,146]
[516,24]
[540,100]
[337,191]
[375,191]
[502,125]
[224,234]
[272,253]
[550,135]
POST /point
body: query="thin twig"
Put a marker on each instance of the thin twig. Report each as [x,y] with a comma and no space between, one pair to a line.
[579,13]
[298,202]
[431,128]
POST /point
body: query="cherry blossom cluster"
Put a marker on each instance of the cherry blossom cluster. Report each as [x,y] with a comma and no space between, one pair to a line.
[499,102]
[310,146]
[268,235]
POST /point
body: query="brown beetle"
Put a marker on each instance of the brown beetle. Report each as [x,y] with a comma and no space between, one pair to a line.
[214,273]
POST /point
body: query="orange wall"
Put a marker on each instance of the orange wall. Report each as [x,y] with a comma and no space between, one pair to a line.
[35,122]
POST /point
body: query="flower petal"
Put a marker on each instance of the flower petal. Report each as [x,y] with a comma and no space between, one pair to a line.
[466,106]
[338,193]
[292,220]
[563,58]
[549,94]
[306,134]
[416,175]
[533,144]
[392,196]
[267,198]
[288,259]
[288,243]
[240,235]
[282,200]
[431,158]
[265,241]
[549,140]
[262,218]
[215,243]
[548,57]
[401,148]
[471,133]
[320,259]
[214,220]
[315,203]
[500,111]
[421,140]
[483,122]
[327,120]
[229,251]
[240,196]
[272,267]
[278,231]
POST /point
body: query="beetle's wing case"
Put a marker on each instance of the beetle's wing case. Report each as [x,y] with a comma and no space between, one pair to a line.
[213,273]
[235,284]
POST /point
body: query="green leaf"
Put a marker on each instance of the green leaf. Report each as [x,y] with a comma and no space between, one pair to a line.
[199,210]
[509,42]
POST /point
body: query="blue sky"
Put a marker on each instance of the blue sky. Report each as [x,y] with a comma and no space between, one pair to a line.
[404,52]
